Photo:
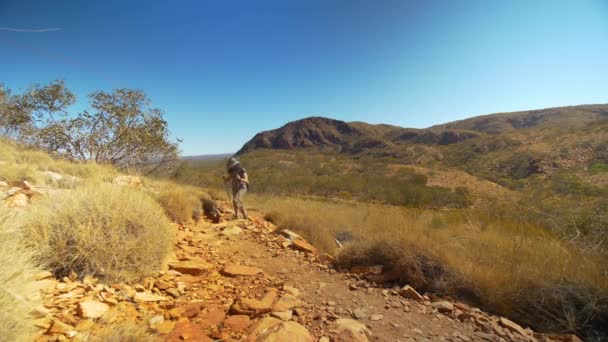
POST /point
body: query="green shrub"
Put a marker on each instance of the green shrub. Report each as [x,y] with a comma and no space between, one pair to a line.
[599,167]
[112,232]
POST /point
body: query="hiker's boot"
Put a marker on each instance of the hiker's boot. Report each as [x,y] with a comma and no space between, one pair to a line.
[236,212]
[244,212]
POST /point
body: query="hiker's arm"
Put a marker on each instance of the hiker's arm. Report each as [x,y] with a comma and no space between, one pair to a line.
[245,178]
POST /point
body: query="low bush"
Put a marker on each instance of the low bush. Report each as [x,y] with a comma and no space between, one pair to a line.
[112,232]
[18,295]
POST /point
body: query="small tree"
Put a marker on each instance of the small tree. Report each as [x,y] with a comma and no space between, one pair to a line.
[121,129]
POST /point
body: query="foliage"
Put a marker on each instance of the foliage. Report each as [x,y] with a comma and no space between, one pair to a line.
[109,231]
[329,175]
[599,167]
[485,256]
[121,129]
[17,287]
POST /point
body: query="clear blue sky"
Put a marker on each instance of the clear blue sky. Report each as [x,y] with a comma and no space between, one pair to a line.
[224,70]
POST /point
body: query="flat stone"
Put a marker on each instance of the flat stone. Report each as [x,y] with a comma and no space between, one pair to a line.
[304,246]
[148,297]
[409,292]
[241,270]
[92,309]
[286,302]
[237,322]
[59,327]
[512,326]
[173,292]
[185,330]
[254,306]
[273,331]
[376,317]
[211,318]
[283,315]
[443,306]
[291,235]
[360,313]
[291,290]
[162,285]
[349,330]
[191,267]
[156,320]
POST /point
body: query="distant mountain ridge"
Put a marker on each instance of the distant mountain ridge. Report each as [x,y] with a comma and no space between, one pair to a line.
[355,137]
[207,157]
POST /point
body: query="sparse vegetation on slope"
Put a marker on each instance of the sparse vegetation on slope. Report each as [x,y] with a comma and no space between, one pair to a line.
[18,291]
[330,175]
[112,232]
[504,264]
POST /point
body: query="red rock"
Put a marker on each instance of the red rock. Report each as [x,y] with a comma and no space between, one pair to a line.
[285,331]
[237,322]
[92,309]
[254,306]
[302,245]
[286,302]
[185,330]
[512,326]
[191,267]
[367,269]
[211,318]
[240,270]
[409,292]
[283,242]
[188,310]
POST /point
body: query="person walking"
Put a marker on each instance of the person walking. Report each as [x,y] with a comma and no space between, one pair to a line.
[239,184]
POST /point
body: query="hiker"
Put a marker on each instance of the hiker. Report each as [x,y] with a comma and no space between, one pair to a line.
[239,183]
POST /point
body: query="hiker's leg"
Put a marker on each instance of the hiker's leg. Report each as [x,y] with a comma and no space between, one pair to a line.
[240,195]
[238,204]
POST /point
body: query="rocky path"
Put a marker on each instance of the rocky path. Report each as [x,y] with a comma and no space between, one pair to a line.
[243,280]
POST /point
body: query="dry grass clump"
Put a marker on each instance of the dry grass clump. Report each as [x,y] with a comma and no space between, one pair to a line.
[181,203]
[508,267]
[109,231]
[21,163]
[18,291]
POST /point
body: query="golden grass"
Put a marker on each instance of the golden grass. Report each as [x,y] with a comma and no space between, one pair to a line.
[508,267]
[109,231]
[20,163]
[18,291]
[182,203]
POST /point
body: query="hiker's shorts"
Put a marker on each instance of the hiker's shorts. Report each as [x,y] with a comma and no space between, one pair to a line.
[237,199]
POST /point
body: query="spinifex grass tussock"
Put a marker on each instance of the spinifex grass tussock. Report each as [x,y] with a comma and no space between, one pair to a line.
[508,267]
[180,202]
[113,232]
[18,290]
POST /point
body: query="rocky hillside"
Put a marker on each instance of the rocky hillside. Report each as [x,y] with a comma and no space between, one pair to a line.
[246,280]
[571,116]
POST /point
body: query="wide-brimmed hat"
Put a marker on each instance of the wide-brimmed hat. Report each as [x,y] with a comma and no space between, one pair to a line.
[232,164]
